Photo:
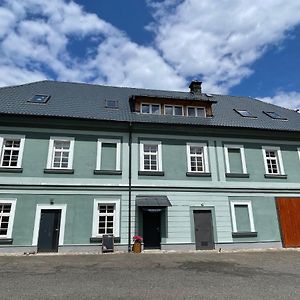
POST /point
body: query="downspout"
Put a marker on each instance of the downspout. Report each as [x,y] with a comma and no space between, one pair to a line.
[129,186]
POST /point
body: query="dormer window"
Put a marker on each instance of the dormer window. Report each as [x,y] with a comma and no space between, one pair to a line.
[39,99]
[196,111]
[274,115]
[173,110]
[147,108]
[245,113]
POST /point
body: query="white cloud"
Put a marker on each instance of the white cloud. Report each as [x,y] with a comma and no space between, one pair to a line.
[36,41]
[219,40]
[213,40]
[286,99]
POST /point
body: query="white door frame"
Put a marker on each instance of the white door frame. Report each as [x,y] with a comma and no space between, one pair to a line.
[39,207]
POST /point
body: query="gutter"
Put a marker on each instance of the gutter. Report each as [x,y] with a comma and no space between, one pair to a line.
[129,185]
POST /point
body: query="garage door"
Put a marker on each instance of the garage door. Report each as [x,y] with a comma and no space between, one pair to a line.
[289,218]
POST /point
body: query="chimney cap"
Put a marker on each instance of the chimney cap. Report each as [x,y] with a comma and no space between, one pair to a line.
[195,87]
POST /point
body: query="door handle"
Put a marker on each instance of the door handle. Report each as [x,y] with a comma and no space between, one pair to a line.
[56,229]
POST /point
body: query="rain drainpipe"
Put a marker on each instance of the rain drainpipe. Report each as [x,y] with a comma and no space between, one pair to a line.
[129,187]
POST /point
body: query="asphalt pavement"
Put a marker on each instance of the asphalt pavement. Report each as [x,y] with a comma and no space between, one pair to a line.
[201,275]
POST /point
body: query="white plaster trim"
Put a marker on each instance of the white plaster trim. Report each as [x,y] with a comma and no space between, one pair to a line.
[205,156]
[159,153]
[242,155]
[116,202]
[11,216]
[279,159]
[118,152]
[39,207]
[22,143]
[51,151]
[250,212]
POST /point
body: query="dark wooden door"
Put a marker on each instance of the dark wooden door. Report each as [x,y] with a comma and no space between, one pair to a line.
[203,230]
[151,229]
[289,217]
[49,230]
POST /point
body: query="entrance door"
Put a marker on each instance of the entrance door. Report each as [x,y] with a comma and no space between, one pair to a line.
[49,230]
[203,230]
[288,214]
[151,229]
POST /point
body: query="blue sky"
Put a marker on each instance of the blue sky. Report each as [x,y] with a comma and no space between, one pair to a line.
[234,47]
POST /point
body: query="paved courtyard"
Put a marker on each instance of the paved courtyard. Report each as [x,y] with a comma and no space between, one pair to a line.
[201,275]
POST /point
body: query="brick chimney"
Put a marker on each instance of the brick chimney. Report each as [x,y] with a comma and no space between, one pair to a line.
[195,87]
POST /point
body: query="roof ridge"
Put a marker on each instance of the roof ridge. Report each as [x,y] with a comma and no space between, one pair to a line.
[104,85]
[24,84]
[271,104]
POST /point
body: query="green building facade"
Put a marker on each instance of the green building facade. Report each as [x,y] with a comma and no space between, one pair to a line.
[68,177]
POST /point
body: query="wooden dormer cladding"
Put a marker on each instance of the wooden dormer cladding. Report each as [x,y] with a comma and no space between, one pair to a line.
[136,102]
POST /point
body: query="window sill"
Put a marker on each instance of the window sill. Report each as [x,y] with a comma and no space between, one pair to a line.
[244,234]
[198,174]
[237,175]
[11,170]
[107,172]
[6,241]
[278,176]
[99,240]
[59,171]
[152,173]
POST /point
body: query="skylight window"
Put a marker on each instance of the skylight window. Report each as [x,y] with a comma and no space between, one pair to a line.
[274,115]
[39,99]
[245,113]
[111,104]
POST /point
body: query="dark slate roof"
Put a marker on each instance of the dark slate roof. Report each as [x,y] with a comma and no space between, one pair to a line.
[87,101]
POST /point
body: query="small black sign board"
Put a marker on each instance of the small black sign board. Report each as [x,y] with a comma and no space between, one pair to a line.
[107,243]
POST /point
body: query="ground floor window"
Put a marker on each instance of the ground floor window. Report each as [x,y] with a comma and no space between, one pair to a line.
[242,216]
[106,217]
[7,213]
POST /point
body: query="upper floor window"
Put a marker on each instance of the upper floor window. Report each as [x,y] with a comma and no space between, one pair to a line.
[7,213]
[150,156]
[60,154]
[175,110]
[147,108]
[273,160]
[106,217]
[11,151]
[196,111]
[235,159]
[108,154]
[197,158]
[242,216]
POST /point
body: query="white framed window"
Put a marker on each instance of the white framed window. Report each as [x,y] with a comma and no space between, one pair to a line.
[242,216]
[11,151]
[60,154]
[235,159]
[150,156]
[7,214]
[108,154]
[193,111]
[150,108]
[273,160]
[197,157]
[173,110]
[106,217]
